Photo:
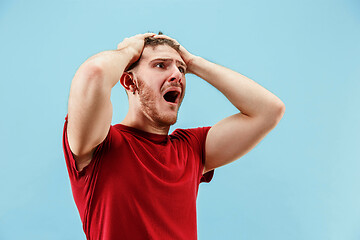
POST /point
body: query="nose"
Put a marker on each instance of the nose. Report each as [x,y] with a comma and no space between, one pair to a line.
[176,75]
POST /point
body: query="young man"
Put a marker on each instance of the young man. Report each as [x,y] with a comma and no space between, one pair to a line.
[132,180]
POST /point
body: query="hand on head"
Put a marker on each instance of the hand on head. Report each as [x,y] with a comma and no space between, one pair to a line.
[135,46]
[185,55]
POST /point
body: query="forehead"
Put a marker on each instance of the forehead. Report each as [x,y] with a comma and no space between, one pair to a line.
[160,51]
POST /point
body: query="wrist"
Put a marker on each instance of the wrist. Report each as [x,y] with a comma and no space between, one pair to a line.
[128,53]
[192,64]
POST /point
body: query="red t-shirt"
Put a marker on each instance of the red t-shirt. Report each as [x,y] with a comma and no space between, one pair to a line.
[140,185]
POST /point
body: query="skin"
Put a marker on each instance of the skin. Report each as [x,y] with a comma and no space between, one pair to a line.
[160,69]
[90,108]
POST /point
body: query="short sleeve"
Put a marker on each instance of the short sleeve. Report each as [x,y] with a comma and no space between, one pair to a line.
[74,174]
[69,157]
[207,177]
[197,138]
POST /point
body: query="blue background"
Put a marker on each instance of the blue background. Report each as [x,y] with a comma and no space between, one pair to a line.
[300,182]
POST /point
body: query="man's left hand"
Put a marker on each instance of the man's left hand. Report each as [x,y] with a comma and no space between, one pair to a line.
[185,55]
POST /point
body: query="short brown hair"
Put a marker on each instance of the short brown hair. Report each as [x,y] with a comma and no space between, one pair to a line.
[153,42]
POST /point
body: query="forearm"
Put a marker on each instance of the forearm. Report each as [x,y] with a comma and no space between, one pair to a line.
[246,95]
[109,64]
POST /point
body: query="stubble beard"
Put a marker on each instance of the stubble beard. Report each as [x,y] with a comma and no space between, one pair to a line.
[148,106]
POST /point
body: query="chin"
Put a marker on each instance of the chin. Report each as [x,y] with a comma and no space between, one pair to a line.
[167,120]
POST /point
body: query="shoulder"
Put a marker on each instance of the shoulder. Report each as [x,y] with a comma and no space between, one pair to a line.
[199,134]
[118,132]
[196,131]
[114,136]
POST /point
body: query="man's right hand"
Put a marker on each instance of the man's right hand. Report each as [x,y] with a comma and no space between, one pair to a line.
[134,45]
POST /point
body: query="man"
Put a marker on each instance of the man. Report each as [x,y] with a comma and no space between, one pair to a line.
[133,180]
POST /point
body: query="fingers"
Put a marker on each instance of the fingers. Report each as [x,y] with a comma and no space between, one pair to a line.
[185,55]
[137,37]
[167,37]
[145,35]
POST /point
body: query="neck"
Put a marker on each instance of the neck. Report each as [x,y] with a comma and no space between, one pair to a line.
[144,123]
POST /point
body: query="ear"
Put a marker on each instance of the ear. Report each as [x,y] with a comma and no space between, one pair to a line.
[126,80]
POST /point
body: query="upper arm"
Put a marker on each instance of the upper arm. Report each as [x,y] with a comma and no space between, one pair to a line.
[89,113]
[234,136]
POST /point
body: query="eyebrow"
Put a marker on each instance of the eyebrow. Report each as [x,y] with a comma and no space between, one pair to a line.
[167,60]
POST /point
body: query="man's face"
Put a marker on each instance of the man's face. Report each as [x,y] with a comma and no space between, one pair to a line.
[160,76]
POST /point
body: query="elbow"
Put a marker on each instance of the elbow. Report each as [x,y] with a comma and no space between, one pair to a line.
[89,82]
[277,112]
[91,77]
[92,71]
[280,109]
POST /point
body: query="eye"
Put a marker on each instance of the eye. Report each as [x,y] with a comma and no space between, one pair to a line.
[160,65]
[181,69]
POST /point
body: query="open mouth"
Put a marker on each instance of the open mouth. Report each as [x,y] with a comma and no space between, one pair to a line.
[172,96]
